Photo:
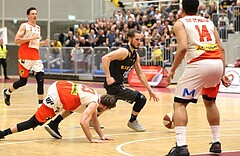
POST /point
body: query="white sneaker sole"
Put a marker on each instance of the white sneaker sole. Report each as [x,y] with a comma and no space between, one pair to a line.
[137,130]
[52,133]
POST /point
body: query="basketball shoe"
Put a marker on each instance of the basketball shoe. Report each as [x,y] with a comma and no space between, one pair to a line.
[6,97]
[1,135]
[136,126]
[216,147]
[53,130]
[179,151]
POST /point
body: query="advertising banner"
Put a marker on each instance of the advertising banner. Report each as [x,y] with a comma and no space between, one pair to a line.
[234,75]
[156,77]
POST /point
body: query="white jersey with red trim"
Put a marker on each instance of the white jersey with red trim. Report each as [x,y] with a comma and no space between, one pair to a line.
[87,95]
[201,39]
[75,97]
[30,31]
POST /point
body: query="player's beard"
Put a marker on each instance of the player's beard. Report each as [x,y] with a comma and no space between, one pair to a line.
[135,47]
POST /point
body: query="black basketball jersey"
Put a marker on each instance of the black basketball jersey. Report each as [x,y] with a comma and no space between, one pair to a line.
[119,67]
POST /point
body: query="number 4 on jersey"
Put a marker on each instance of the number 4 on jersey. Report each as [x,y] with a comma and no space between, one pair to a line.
[204,33]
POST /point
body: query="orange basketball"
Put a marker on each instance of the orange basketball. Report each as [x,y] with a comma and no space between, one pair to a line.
[168,121]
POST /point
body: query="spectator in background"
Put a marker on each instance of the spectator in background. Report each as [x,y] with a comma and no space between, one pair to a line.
[92,26]
[70,43]
[84,34]
[56,45]
[203,10]
[118,15]
[111,37]
[92,36]
[131,23]
[157,14]
[155,34]
[146,21]
[87,28]
[118,38]
[100,40]
[156,56]
[212,8]
[80,29]
[223,6]
[3,56]
[171,18]
[62,37]
[158,25]
[129,15]
[151,11]
[223,25]
[76,34]
[166,32]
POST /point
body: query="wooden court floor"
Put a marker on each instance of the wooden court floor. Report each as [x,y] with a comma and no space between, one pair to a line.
[156,141]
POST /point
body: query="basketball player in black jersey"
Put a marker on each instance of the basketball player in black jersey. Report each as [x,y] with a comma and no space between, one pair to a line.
[115,65]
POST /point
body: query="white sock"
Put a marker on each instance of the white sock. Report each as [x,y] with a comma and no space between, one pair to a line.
[181,135]
[215,133]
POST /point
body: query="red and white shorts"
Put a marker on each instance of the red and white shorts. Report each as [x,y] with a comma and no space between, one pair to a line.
[24,66]
[201,77]
[51,105]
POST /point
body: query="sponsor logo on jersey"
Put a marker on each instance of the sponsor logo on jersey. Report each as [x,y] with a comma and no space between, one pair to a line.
[208,47]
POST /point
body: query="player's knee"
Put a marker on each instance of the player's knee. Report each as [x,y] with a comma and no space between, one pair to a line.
[40,81]
[139,102]
[31,123]
[21,82]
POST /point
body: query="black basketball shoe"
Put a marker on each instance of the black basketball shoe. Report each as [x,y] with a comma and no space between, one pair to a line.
[53,130]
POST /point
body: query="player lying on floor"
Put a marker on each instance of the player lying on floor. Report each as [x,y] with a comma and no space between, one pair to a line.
[67,96]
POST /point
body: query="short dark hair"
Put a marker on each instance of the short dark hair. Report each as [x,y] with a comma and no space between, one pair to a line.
[108,100]
[190,7]
[132,33]
[30,9]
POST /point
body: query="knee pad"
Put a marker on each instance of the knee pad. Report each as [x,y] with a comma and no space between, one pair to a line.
[40,82]
[21,82]
[31,123]
[139,102]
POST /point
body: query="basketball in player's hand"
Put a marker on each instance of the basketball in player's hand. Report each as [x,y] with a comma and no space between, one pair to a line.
[168,121]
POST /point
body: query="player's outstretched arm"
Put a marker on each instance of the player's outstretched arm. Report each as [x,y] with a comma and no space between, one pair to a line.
[144,81]
[86,116]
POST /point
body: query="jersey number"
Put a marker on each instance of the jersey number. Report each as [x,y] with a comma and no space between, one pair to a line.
[204,33]
[88,89]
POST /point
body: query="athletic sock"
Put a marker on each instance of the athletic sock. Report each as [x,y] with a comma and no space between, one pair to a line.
[215,133]
[40,102]
[133,118]
[58,119]
[181,135]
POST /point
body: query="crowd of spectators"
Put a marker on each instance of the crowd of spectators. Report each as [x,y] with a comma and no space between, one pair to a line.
[154,21]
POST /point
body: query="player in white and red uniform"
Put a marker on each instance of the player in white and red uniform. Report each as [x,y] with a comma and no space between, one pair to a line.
[67,97]
[28,36]
[200,45]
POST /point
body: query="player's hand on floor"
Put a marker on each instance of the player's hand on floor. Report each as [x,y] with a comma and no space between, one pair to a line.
[107,138]
[97,141]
